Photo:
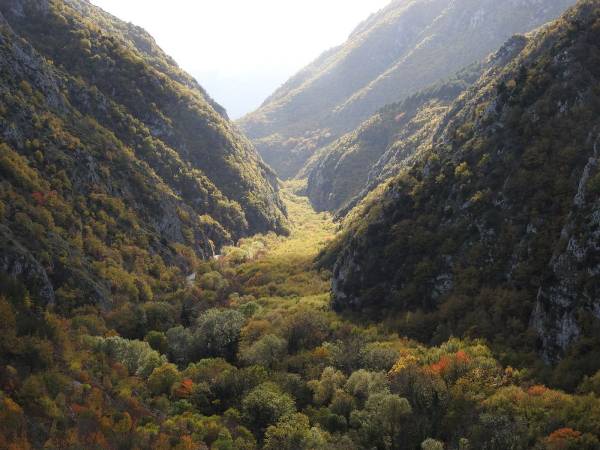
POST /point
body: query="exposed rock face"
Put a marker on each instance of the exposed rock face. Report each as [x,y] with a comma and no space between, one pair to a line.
[17,262]
[404,48]
[112,159]
[493,230]
[566,296]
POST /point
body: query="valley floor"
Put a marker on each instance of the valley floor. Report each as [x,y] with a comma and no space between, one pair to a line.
[283,267]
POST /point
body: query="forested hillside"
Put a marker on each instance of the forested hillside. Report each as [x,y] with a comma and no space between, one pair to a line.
[406,47]
[117,168]
[493,232]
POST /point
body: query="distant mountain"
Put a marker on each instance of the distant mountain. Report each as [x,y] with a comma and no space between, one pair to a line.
[114,163]
[342,173]
[493,231]
[402,49]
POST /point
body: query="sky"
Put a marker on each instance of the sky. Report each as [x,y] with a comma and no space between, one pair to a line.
[242,50]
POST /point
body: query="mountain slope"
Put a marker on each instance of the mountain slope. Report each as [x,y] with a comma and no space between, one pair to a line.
[340,175]
[494,231]
[406,47]
[113,160]
[346,170]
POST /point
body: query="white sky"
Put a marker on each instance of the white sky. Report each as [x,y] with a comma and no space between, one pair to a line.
[242,50]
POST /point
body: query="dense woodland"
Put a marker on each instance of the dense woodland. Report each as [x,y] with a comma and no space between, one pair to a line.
[249,355]
[161,289]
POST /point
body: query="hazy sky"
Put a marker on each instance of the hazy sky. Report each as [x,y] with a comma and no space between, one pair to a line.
[242,50]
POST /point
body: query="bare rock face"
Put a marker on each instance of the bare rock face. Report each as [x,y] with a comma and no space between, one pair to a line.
[566,297]
[17,262]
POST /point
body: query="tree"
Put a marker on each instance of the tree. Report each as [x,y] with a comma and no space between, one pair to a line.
[363,384]
[12,420]
[179,344]
[137,356]
[381,420]
[267,351]
[294,433]
[569,439]
[158,341]
[342,404]
[590,385]
[160,316]
[163,378]
[129,320]
[324,388]
[379,357]
[213,281]
[265,405]
[432,444]
[183,389]
[8,327]
[218,332]
[305,330]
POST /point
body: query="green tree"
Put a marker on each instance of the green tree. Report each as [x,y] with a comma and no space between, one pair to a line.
[137,356]
[324,388]
[160,316]
[265,405]
[163,378]
[179,343]
[218,332]
[294,433]
[158,341]
[305,329]
[362,384]
[8,327]
[268,351]
[378,357]
[129,320]
[432,444]
[381,420]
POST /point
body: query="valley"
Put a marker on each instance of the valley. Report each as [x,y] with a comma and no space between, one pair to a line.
[400,250]
[267,363]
